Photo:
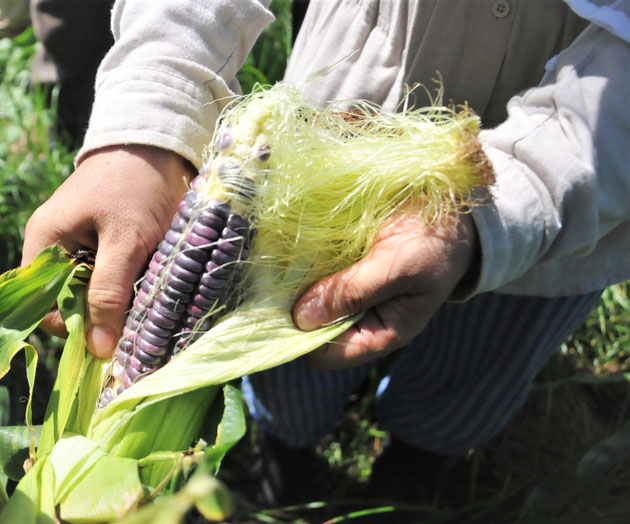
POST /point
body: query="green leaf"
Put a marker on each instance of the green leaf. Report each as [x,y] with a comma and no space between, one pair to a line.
[26,295]
[5,406]
[71,369]
[94,378]
[205,492]
[4,498]
[15,442]
[259,335]
[109,490]
[167,425]
[230,430]
[27,505]
[212,499]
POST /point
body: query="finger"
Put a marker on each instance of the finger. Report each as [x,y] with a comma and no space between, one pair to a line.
[54,324]
[384,328]
[118,265]
[380,276]
[41,233]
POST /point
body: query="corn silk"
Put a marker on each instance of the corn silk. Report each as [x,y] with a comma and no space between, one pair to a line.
[330,180]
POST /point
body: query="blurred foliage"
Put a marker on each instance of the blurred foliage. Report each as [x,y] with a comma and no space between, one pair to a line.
[32,161]
[602,345]
[268,59]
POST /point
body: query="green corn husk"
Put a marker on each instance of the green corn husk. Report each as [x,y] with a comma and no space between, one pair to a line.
[330,183]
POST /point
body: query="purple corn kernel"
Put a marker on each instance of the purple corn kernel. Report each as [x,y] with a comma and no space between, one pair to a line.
[125,347]
[172,237]
[263,152]
[132,323]
[194,253]
[184,210]
[197,240]
[174,305]
[211,219]
[160,320]
[146,286]
[200,180]
[229,234]
[133,374]
[222,259]
[209,292]
[151,349]
[224,140]
[214,270]
[176,294]
[155,329]
[135,314]
[219,207]
[204,303]
[159,257]
[135,363]
[230,247]
[193,198]
[166,248]
[178,224]
[128,334]
[151,277]
[196,311]
[122,357]
[206,232]
[142,300]
[181,285]
[151,338]
[155,266]
[184,261]
[212,282]
[147,358]
[184,274]
[166,312]
[237,222]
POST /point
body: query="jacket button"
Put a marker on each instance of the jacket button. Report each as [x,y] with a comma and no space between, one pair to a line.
[501,8]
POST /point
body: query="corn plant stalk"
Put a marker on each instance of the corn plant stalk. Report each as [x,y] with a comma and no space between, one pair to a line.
[318,185]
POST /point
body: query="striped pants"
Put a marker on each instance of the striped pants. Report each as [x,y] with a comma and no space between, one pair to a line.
[453,388]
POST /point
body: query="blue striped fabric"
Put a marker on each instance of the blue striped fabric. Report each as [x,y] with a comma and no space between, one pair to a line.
[452,389]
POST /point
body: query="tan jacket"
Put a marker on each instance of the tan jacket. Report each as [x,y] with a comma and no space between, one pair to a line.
[559,222]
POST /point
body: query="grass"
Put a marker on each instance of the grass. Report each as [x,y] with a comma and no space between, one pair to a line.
[565,458]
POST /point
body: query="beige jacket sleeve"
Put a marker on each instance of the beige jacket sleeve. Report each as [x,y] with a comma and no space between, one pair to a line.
[171,71]
[559,221]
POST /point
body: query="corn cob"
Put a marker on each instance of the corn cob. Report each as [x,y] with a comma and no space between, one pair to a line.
[192,277]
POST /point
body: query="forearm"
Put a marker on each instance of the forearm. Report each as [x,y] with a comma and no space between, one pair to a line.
[559,222]
[170,72]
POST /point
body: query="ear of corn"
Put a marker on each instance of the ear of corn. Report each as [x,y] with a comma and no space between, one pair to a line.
[215,302]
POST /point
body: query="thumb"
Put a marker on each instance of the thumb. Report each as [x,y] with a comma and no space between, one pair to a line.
[109,294]
[353,290]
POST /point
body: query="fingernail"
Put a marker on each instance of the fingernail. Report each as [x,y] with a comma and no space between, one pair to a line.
[101,341]
[311,315]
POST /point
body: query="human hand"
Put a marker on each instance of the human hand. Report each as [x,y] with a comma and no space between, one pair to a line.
[119,202]
[408,274]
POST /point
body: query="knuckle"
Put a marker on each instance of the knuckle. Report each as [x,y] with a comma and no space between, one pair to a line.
[107,299]
[36,220]
[352,294]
